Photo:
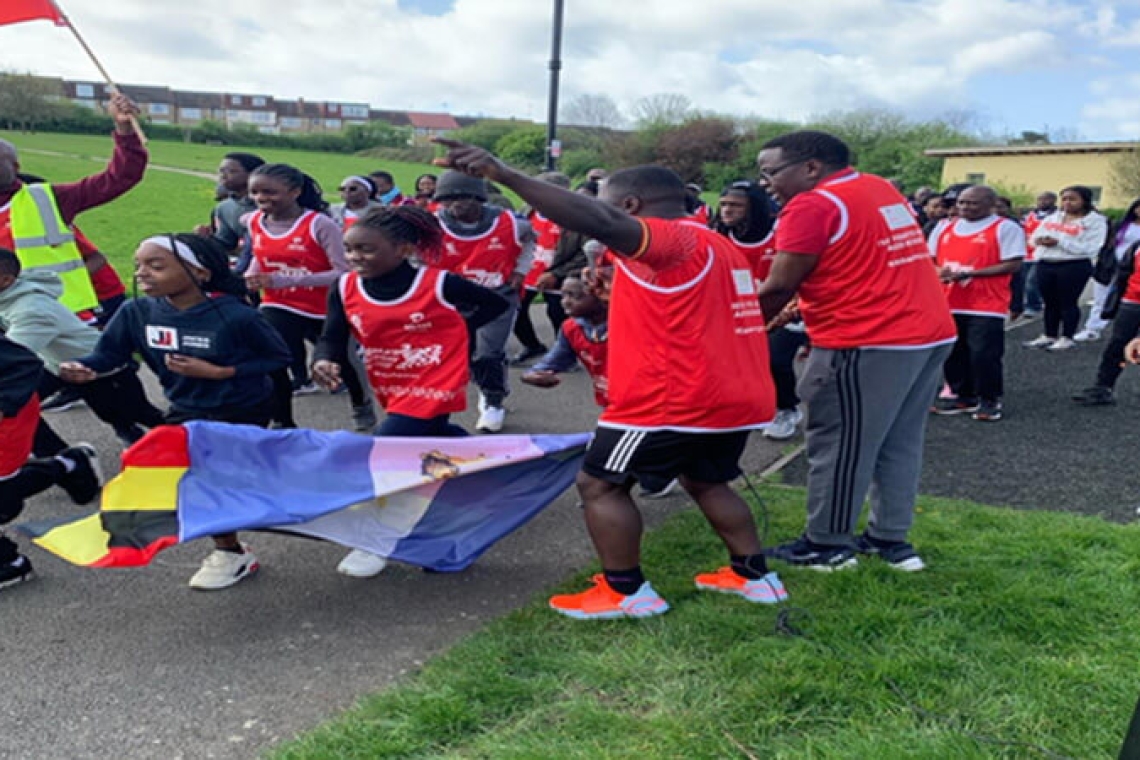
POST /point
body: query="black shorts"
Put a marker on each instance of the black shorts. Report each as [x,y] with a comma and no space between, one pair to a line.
[619,456]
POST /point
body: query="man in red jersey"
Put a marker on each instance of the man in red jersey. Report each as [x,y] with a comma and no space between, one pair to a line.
[685,327]
[850,247]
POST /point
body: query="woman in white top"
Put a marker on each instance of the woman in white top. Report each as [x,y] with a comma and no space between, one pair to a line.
[1066,243]
[1127,233]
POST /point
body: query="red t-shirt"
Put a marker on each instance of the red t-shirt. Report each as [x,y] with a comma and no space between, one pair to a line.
[546,235]
[690,351]
[593,355]
[759,255]
[1132,292]
[415,347]
[962,250]
[875,285]
[488,259]
[296,252]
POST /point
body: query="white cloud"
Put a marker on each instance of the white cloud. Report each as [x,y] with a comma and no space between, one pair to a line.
[1116,112]
[765,57]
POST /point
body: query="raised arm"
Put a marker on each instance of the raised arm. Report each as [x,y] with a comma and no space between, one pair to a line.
[619,231]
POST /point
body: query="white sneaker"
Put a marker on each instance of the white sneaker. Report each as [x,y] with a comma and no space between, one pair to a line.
[1062,344]
[669,488]
[361,564]
[491,419]
[482,403]
[785,426]
[1041,341]
[1087,336]
[308,389]
[223,569]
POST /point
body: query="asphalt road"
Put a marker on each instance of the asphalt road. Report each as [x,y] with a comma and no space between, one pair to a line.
[1048,453]
[133,664]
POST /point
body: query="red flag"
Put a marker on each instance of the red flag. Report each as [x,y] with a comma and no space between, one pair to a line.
[15,11]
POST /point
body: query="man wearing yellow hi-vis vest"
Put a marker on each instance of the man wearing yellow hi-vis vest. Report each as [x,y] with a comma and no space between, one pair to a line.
[35,219]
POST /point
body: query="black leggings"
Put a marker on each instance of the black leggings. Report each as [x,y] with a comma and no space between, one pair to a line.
[1061,284]
[117,399]
[1125,327]
[295,329]
[35,476]
[524,327]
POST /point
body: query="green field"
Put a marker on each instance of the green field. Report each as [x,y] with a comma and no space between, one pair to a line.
[1019,641]
[169,201]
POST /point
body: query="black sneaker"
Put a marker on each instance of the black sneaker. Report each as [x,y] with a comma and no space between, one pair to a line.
[988,411]
[62,400]
[524,356]
[16,571]
[806,553]
[955,405]
[898,554]
[83,483]
[1096,395]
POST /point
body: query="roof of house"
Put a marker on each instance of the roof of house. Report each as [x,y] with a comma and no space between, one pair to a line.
[1044,149]
[190,99]
[421,120]
[395,118]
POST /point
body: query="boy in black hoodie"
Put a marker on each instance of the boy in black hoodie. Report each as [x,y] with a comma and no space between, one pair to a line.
[75,469]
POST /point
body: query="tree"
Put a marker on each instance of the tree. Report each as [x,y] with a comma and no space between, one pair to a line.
[486,134]
[663,108]
[687,148]
[523,148]
[1125,173]
[587,110]
[26,101]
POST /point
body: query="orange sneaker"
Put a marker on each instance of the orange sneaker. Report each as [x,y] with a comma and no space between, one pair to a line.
[766,590]
[602,603]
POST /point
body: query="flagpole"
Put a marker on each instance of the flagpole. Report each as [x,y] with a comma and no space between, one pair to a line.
[111,86]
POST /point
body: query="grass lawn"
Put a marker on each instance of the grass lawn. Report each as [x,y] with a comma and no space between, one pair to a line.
[1019,641]
[170,202]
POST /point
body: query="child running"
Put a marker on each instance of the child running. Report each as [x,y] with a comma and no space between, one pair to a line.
[298,252]
[414,327]
[212,352]
[75,469]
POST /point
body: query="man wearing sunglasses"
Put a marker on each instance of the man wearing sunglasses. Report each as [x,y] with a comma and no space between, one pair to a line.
[848,245]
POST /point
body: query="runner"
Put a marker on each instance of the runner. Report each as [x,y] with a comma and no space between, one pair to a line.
[359,197]
[212,353]
[413,326]
[546,237]
[684,328]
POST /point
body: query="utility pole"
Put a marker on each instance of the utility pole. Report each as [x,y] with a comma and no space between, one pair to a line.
[553,146]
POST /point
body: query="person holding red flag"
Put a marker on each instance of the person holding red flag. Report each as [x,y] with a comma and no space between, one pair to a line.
[35,219]
[685,327]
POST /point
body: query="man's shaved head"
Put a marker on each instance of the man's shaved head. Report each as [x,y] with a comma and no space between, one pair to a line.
[9,164]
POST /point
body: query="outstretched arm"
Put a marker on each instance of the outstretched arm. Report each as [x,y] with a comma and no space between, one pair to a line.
[619,231]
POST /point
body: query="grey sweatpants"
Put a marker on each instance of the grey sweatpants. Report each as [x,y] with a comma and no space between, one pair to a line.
[866,422]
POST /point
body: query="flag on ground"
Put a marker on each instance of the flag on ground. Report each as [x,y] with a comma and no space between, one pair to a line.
[434,502]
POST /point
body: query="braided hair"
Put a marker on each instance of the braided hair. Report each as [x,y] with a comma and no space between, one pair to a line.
[407,224]
[311,197]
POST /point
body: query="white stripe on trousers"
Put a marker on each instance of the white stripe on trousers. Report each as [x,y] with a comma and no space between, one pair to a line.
[623,452]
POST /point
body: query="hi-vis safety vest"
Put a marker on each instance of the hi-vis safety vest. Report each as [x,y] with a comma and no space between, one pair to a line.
[44,243]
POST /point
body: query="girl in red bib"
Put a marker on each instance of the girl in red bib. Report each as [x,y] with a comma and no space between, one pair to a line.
[298,252]
[413,326]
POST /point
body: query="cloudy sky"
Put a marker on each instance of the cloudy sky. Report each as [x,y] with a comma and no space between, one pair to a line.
[1014,64]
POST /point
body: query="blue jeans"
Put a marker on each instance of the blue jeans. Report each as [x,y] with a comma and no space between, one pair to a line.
[403,426]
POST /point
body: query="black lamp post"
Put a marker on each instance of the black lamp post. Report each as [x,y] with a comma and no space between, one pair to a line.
[552,146]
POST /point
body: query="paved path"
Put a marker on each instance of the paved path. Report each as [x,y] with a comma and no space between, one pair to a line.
[133,664]
[1048,453]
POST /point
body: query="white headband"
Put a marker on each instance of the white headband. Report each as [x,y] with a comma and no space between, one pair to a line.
[369,185]
[179,249]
